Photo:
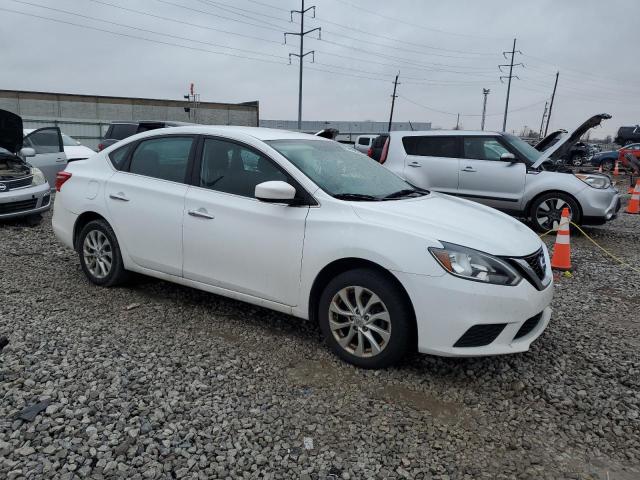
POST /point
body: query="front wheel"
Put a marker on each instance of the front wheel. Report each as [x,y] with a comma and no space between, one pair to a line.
[366,319]
[546,211]
[577,160]
[100,254]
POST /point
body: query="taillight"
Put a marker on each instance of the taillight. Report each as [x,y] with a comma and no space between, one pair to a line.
[370,152]
[385,151]
[101,147]
[61,177]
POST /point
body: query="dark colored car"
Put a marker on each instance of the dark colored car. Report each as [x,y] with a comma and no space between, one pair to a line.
[577,154]
[377,148]
[627,135]
[120,130]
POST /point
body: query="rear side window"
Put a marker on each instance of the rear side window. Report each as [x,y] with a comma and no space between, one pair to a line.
[119,157]
[46,140]
[363,141]
[120,131]
[165,158]
[431,146]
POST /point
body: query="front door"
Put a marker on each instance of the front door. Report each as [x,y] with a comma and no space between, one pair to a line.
[146,202]
[231,239]
[50,157]
[432,162]
[487,179]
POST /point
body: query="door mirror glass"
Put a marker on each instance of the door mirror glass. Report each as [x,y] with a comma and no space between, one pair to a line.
[275,192]
[27,152]
[508,157]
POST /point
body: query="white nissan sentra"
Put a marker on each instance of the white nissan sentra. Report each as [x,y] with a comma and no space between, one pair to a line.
[305,226]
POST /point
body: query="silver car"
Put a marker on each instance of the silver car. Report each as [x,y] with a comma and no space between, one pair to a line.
[502,171]
[24,190]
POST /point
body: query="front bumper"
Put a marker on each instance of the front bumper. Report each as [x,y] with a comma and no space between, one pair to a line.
[22,202]
[447,308]
[599,206]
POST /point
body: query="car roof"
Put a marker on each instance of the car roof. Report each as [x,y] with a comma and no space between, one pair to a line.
[443,133]
[259,133]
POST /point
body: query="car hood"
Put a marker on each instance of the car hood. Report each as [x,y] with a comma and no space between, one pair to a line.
[549,140]
[449,219]
[10,131]
[562,147]
[78,151]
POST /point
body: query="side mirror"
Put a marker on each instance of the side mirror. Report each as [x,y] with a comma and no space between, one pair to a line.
[27,152]
[508,157]
[275,192]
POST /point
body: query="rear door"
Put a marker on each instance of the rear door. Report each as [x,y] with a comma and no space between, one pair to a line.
[50,156]
[432,162]
[487,179]
[146,200]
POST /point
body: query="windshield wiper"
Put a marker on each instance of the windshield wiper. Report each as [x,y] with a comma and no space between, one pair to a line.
[405,193]
[356,196]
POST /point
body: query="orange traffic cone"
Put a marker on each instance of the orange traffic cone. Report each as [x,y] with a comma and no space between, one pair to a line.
[561,259]
[616,170]
[634,203]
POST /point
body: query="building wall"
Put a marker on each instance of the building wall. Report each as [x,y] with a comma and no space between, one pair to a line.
[87,117]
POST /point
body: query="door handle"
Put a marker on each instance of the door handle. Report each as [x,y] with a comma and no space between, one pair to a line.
[119,196]
[201,213]
[468,169]
[415,164]
[61,160]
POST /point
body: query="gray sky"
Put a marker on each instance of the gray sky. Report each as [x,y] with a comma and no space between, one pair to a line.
[446,51]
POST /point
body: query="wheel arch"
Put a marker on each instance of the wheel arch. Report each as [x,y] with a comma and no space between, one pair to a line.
[342,265]
[534,199]
[81,221]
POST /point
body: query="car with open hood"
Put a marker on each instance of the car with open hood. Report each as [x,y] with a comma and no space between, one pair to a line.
[24,191]
[302,225]
[503,171]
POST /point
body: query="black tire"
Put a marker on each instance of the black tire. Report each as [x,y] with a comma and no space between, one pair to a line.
[537,210]
[116,274]
[607,165]
[577,160]
[401,340]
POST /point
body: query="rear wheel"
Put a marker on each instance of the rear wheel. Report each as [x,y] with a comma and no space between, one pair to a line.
[546,211]
[577,160]
[365,319]
[100,254]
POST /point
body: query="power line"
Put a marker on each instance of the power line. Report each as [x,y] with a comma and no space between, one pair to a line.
[519,109]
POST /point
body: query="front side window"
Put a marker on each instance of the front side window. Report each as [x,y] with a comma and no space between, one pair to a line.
[342,172]
[483,148]
[165,158]
[46,140]
[119,157]
[431,146]
[232,168]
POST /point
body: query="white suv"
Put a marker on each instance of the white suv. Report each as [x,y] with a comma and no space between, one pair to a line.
[502,171]
[305,226]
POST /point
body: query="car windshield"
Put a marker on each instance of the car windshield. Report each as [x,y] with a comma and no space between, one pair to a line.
[68,141]
[344,173]
[529,153]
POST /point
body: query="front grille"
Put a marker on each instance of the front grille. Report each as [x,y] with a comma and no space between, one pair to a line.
[19,183]
[528,326]
[537,263]
[480,335]
[21,206]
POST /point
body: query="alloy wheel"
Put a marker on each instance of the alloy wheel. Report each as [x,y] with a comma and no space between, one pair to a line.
[98,253]
[549,213]
[359,321]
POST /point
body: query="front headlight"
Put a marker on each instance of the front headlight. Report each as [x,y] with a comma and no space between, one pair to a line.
[38,177]
[595,181]
[474,265]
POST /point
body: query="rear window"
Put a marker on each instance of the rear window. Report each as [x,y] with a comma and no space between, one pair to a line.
[121,131]
[430,146]
[363,141]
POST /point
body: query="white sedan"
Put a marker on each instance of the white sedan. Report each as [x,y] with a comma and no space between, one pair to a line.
[301,225]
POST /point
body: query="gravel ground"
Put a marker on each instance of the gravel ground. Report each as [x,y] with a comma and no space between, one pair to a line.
[159,381]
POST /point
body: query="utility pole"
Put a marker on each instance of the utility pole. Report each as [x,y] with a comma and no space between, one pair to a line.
[553,96]
[510,76]
[393,100]
[485,92]
[458,122]
[302,54]
[544,114]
